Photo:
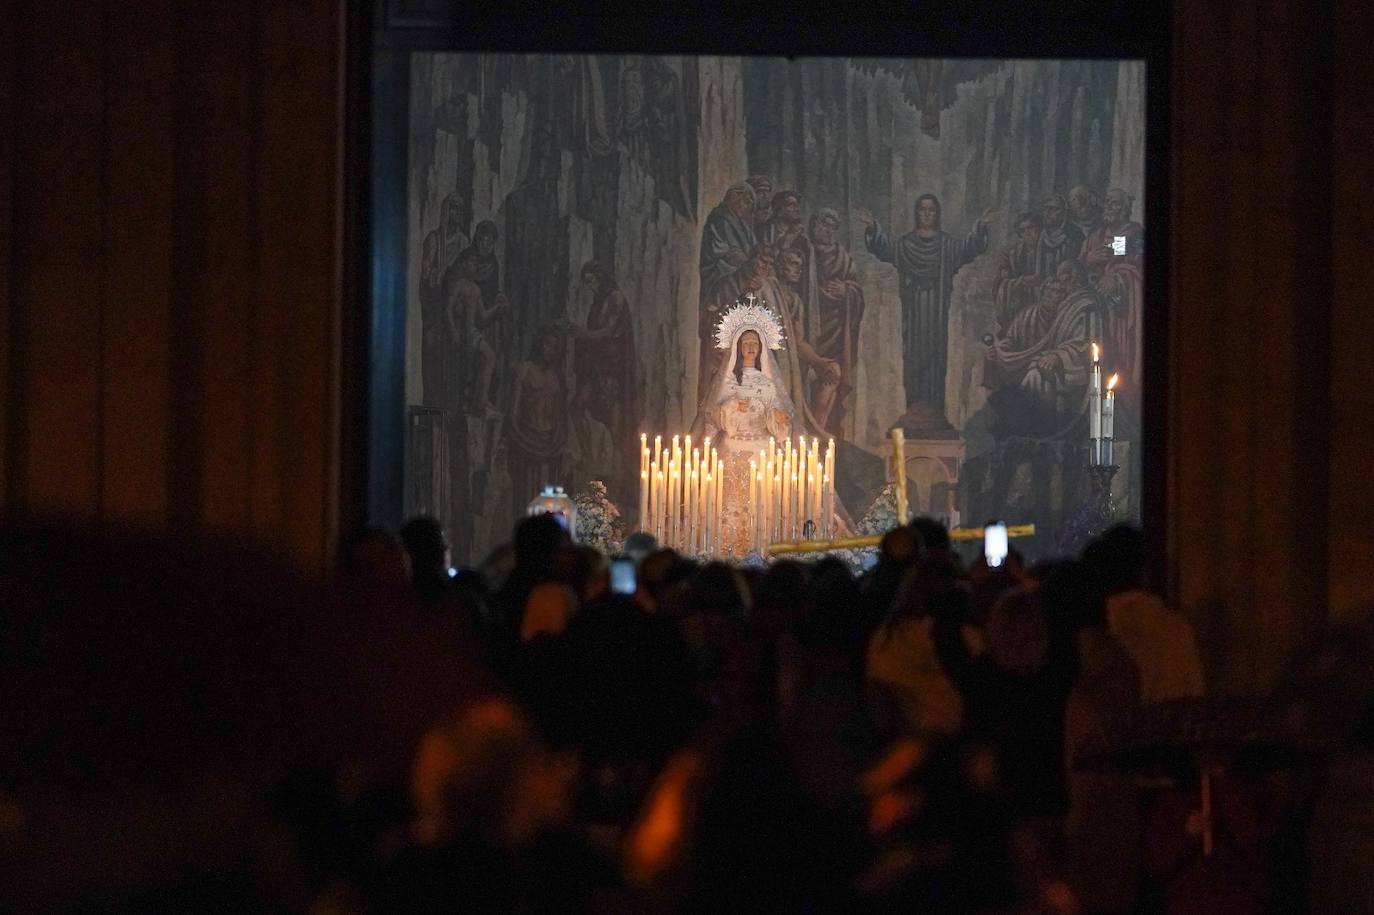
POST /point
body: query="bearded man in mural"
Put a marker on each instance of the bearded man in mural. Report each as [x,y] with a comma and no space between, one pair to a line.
[1085,209]
[926,259]
[763,202]
[839,308]
[1059,238]
[787,232]
[1037,368]
[1018,277]
[803,367]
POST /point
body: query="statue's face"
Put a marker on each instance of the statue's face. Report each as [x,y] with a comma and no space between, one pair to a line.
[749,348]
[927,214]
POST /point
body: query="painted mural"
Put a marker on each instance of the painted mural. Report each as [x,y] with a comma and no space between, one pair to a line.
[943,238]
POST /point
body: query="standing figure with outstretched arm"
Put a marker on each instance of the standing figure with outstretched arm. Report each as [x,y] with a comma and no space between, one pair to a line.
[926,259]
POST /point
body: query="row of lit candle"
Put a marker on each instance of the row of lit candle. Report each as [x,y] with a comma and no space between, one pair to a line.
[1101,414]
[790,485]
[680,494]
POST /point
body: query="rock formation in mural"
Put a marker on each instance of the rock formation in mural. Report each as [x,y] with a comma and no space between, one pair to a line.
[942,239]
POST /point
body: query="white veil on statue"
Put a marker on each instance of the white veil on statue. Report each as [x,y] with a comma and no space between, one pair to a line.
[732,326]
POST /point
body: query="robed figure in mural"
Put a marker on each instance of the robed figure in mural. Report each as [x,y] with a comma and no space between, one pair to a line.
[839,313]
[727,240]
[926,259]
[1042,356]
[604,364]
[537,432]
[748,404]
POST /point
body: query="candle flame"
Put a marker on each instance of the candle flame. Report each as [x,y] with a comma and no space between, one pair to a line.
[1096,353]
[1111,382]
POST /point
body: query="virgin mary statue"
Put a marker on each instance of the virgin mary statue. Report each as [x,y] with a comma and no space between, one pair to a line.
[749,404]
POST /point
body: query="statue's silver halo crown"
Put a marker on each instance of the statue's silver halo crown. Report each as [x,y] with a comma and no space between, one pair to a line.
[754,315]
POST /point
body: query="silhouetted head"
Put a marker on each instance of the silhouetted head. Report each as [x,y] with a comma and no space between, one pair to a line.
[427,544]
[934,535]
[537,539]
[1118,558]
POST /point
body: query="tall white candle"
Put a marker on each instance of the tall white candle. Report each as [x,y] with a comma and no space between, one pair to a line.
[899,468]
[644,500]
[830,486]
[1095,407]
[758,475]
[1109,421]
[657,509]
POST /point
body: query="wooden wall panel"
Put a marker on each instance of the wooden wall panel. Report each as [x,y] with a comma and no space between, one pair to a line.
[170,288]
[1247,489]
[60,188]
[140,73]
[298,185]
[1352,321]
[217,158]
[9,70]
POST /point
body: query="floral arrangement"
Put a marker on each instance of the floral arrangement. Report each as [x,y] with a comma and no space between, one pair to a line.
[881,516]
[599,523]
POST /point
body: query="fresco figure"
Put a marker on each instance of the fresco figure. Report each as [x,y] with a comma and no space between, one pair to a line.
[1085,208]
[1059,239]
[763,202]
[485,267]
[434,332]
[1044,350]
[787,232]
[839,309]
[469,322]
[802,366]
[604,365]
[537,433]
[726,242]
[1018,277]
[926,259]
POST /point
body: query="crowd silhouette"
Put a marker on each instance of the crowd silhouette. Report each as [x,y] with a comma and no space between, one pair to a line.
[191,727]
